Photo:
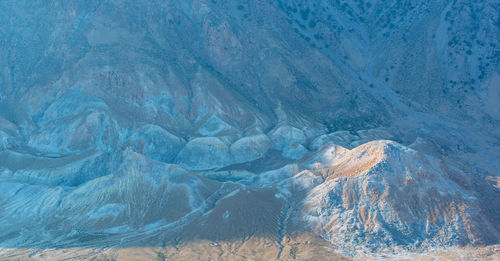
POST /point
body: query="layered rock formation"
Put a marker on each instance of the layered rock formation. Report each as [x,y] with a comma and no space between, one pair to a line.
[360,127]
[383,193]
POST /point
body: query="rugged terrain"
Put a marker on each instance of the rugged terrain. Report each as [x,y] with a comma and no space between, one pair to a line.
[269,129]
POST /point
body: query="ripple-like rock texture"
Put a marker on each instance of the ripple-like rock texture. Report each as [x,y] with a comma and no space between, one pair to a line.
[232,130]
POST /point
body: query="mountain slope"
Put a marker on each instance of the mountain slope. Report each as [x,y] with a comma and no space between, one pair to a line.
[365,125]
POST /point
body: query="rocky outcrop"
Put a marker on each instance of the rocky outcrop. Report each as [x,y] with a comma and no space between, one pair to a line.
[285,135]
[250,148]
[156,143]
[204,153]
[294,151]
[385,194]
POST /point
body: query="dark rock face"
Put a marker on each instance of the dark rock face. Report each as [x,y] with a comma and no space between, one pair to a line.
[103,103]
